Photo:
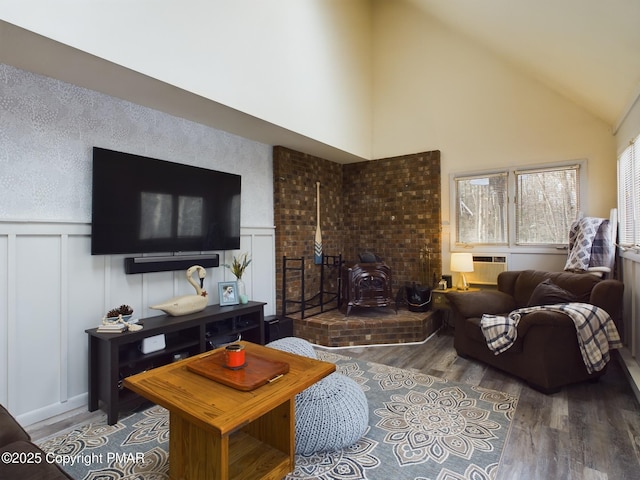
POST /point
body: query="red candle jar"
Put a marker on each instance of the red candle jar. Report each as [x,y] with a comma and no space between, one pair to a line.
[234,355]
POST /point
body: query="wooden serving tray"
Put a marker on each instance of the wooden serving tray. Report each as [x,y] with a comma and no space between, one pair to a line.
[257,371]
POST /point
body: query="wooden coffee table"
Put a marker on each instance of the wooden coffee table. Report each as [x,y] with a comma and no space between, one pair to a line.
[219,432]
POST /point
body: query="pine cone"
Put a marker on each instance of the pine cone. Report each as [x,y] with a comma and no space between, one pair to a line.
[113,313]
[125,310]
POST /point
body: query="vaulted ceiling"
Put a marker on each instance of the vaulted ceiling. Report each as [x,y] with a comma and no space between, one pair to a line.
[586,50]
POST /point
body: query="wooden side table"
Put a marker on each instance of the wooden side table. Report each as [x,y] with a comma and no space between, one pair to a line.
[218,432]
[439,298]
[441,304]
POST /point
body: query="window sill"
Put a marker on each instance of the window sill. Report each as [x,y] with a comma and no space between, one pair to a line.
[505,249]
[631,254]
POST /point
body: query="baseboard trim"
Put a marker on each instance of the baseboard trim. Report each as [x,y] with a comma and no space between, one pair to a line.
[631,369]
[44,413]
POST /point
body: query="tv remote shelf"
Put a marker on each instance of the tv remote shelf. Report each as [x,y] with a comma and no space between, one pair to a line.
[115,356]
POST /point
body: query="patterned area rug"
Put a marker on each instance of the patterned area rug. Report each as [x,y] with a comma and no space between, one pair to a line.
[420,428]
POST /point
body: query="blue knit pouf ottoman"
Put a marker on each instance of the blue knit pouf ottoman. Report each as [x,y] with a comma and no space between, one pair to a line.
[295,345]
[331,414]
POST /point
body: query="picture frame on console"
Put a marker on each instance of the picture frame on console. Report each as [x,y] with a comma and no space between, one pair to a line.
[228,292]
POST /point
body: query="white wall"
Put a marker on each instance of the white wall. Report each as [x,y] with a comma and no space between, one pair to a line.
[304,66]
[629,128]
[436,89]
[52,288]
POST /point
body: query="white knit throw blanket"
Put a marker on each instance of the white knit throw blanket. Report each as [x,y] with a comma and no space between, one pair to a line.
[596,332]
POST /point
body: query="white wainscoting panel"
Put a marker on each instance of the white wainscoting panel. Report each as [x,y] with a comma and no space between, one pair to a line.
[52,289]
[36,336]
[5,312]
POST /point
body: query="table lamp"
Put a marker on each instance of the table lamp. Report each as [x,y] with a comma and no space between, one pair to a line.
[462,263]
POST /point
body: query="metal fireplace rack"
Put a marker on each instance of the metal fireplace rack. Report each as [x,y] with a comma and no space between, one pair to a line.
[323,298]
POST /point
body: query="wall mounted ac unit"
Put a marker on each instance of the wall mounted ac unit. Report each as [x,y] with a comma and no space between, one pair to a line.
[486,269]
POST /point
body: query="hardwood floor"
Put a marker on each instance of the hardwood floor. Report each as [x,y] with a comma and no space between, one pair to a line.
[589,431]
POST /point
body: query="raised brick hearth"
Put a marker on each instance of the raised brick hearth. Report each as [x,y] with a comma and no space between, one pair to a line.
[366,326]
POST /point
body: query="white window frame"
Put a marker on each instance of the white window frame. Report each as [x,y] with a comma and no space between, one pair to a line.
[628,196]
[511,245]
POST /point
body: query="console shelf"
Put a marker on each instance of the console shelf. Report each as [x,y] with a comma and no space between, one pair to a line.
[115,356]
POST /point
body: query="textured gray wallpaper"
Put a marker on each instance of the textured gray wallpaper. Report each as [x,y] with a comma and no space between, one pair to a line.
[48,129]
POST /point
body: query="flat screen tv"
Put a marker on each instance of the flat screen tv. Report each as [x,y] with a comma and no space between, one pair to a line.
[146,205]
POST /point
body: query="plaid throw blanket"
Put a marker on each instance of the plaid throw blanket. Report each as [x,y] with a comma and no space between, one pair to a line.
[500,332]
[596,332]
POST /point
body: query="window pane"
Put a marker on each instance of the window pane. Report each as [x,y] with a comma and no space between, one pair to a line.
[625,197]
[628,191]
[481,209]
[635,158]
[547,203]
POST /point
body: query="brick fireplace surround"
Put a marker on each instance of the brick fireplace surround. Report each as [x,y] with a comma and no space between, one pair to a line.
[389,206]
[371,326]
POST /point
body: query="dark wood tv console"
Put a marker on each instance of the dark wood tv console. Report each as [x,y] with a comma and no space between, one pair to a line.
[115,356]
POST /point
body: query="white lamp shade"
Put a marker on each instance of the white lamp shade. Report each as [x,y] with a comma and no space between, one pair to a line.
[461,262]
